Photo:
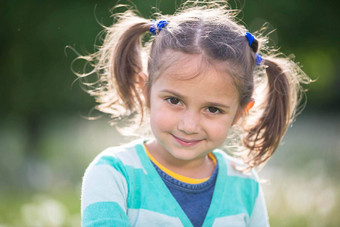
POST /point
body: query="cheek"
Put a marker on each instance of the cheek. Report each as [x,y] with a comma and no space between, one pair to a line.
[161,118]
[219,130]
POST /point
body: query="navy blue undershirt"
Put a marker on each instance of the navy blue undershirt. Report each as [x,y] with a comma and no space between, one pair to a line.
[194,199]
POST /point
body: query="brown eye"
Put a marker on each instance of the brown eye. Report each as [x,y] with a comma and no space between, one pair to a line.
[173,100]
[214,110]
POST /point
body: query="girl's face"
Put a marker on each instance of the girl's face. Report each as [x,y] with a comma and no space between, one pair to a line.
[192,107]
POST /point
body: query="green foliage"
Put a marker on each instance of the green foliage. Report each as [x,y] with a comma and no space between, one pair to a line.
[35,65]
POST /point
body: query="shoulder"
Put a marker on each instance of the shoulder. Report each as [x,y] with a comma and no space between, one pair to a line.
[110,172]
[118,156]
[233,166]
[116,162]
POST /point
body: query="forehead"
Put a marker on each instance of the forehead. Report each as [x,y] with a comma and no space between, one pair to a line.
[182,66]
[192,75]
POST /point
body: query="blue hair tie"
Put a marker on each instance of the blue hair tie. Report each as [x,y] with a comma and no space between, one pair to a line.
[251,38]
[161,24]
[153,28]
[258,59]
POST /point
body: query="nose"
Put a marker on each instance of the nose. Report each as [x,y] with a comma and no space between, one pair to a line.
[189,123]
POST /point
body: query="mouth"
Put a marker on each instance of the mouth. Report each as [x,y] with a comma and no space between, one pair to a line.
[185,142]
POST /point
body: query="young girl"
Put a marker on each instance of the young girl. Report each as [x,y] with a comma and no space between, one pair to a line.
[196,78]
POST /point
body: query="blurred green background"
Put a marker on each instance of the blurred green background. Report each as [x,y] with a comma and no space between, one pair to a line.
[46,143]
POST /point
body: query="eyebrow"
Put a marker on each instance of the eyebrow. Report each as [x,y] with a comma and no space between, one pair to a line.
[208,103]
[173,92]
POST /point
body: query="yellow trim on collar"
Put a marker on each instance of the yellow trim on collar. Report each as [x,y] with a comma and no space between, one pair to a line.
[179,177]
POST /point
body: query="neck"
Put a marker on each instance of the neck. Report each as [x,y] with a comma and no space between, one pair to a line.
[201,167]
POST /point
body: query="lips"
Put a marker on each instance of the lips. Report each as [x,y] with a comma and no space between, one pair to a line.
[186,142]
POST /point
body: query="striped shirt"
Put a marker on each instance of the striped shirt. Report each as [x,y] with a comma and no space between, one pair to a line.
[121,187]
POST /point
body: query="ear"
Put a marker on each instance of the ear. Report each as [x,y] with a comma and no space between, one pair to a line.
[241,111]
[249,106]
[142,81]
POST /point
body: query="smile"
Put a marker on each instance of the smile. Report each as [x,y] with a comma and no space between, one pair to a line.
[186,143]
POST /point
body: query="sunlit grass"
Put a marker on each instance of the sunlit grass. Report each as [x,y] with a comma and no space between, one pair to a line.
[40,209]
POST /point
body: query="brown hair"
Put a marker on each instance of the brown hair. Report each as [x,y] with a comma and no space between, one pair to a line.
[210,29]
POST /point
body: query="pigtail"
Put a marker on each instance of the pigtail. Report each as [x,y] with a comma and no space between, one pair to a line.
[280,105]
[116,65]
[127,62]
[126,59]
